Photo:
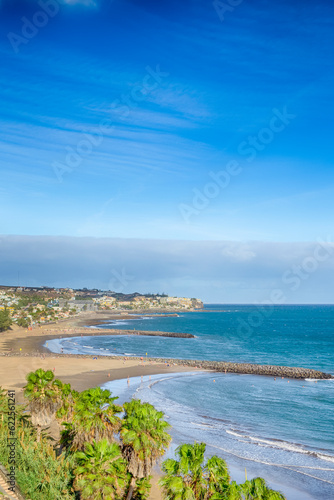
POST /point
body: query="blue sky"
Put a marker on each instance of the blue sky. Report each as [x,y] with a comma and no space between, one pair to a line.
[264,75]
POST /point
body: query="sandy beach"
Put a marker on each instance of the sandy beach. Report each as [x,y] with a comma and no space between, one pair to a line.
[81,373]
[22,351]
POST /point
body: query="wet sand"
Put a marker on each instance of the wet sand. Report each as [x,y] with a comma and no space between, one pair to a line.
[81,372]
[22,351]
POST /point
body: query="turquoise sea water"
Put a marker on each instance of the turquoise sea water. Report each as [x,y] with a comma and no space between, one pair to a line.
[280,429]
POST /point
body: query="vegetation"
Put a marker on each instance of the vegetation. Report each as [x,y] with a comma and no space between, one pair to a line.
[93,417]
[40,474]
[5,320]
[101,471]
[190,479]
[144,439]
[103,457]
[44,394]
[22,321]
[26,300]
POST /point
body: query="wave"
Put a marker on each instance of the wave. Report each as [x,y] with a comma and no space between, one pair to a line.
[320,379]
[203,425]
[118,322]
[282,445]
[328,458]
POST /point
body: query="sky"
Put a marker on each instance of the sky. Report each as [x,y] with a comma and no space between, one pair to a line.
[189,126]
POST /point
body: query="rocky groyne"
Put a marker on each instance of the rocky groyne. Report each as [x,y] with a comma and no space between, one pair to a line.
[154,334]
[215,366]
[94,332]
[252,369]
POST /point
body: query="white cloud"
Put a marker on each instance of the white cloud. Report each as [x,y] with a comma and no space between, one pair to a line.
[185,101]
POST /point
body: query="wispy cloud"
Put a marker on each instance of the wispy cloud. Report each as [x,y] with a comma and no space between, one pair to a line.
[87,3]
[184,100]
[224,80]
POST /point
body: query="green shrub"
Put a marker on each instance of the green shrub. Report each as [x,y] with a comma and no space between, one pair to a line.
[40,474]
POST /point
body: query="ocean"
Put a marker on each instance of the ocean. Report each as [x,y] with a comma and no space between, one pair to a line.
[282,430]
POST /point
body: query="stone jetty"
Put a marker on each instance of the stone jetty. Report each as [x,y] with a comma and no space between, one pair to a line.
[251,369]
[215,366]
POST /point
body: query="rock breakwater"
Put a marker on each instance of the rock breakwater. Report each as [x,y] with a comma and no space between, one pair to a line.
[215,366]
[252,369]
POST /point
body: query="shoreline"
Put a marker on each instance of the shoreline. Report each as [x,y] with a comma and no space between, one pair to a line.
[237,472]
[22,351]
[83,372]
[20,342]
[289,372]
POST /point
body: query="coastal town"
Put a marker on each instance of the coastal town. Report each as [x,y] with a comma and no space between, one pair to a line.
[29,306]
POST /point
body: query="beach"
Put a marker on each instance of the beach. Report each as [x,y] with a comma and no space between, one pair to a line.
[222,408]
[81,372]
[22,351]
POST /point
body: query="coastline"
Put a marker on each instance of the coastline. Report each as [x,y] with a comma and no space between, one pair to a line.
[20,342]
[237,471]
[82,371]
[22,351]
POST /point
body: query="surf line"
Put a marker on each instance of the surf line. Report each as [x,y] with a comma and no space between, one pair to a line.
[279,465]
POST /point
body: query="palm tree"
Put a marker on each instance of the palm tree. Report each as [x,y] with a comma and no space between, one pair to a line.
[68,396]
[6,410]
[234,492]
[218,477]
[142,488]
[44,395]
[190,479]
[101,471]
[185,479]
[144,439]
[258,489]
[64,414]
[94,417]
